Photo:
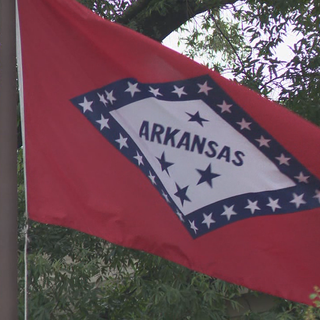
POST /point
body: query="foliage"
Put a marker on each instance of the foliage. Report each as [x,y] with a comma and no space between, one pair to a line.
[108,9]
[248,43]
[316,297]
[72,275]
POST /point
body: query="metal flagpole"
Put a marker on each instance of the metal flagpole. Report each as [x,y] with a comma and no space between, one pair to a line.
[8,164]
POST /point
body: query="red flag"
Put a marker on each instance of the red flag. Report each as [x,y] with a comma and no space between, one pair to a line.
[134,143]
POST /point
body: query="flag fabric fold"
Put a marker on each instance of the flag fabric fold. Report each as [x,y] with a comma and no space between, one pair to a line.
[134,143]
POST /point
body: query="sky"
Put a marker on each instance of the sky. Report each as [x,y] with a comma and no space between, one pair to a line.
[283,51]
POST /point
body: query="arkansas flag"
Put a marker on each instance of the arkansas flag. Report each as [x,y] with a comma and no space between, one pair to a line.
[134,143]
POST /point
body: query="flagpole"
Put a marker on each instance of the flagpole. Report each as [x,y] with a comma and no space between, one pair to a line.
[8,164]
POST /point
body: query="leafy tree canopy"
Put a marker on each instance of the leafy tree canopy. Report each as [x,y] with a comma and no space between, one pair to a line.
[249,41]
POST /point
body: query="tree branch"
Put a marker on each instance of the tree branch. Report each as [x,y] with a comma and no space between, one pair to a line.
[227,39]
[157,19]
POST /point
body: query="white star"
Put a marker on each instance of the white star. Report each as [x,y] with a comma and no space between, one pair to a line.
[179,214]
[155,92]
[207,219]
[132,88]
[110,96]
[139,158]
[103,123]
[102,99]
[302,178]
[244,124]
[317,196]
[178,91]
[165,196]
[273,204]
[122,142]
[152,178]
[86,105]
[283,159]
[225,107]
[263,142]
[253,206]
[193,226]
[228,212]
[297,200]
[204,88]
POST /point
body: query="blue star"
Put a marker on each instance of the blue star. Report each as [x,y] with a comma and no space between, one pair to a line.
[164,164]
[207,175]
[196,117]
[182,194]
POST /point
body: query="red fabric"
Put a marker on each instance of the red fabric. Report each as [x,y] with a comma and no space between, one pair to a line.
[76,179]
